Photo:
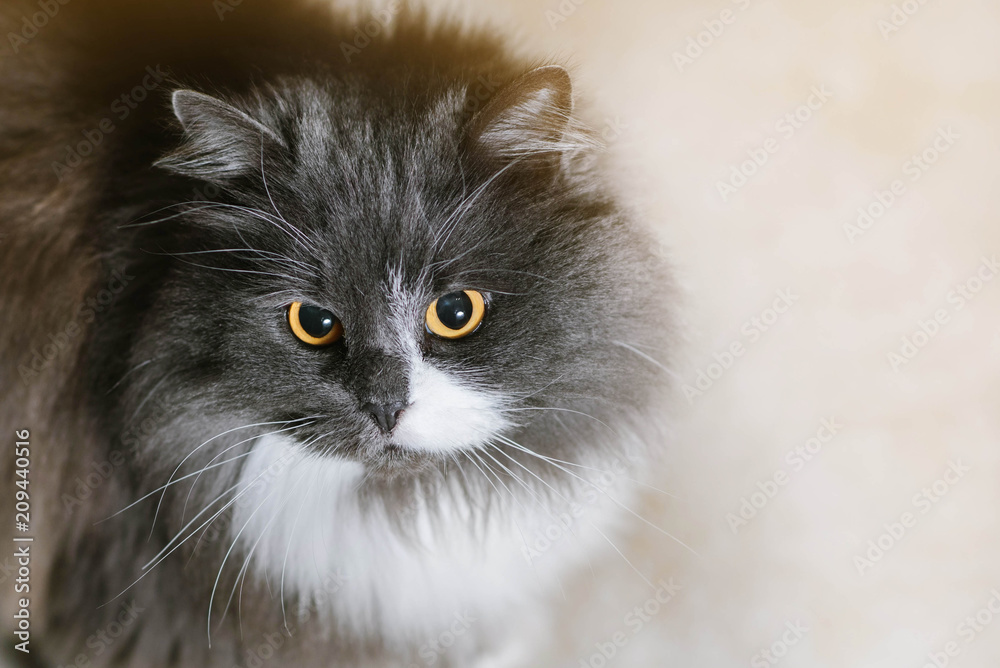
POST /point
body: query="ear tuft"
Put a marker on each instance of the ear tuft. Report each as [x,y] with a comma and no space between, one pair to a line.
[222,141]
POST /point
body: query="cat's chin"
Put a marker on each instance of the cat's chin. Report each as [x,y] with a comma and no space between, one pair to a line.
[389,461]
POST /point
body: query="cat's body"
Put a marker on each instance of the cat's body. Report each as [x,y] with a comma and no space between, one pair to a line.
[146,335]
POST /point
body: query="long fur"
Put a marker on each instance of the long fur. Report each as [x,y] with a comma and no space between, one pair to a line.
[149,247]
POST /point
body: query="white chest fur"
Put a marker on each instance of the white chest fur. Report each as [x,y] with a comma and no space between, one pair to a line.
[309,534]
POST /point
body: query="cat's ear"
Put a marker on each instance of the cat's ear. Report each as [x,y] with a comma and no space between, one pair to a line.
[221,142]
[530,117]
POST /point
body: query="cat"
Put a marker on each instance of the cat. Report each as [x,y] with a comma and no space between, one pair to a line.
[312,326]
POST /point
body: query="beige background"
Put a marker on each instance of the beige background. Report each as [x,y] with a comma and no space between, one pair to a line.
[827,356]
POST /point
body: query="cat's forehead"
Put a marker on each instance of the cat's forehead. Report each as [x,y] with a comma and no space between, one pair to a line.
[413,244]
[396,210]
[361,136]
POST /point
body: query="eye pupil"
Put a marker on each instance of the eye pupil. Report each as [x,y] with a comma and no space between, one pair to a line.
[316,322]
[314,325]
[456,314]
[454,310]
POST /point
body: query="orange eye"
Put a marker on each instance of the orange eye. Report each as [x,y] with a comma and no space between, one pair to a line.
[314,325]
[456,314]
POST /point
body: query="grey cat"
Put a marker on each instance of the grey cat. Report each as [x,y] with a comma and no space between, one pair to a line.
[311,328]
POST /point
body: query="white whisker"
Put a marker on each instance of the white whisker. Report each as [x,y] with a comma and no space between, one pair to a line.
[236,539]
[613,499]
[284,561]
[301,238]
[646,357]
[246,562]
[246,440]
[188,456]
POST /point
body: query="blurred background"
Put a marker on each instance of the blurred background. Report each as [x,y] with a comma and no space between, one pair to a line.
[825,177]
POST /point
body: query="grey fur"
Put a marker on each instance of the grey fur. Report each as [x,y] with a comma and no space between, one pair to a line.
[338,177]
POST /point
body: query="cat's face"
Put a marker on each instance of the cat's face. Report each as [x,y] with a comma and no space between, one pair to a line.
[398,285]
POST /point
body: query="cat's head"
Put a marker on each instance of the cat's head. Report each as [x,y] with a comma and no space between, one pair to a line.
[388,278]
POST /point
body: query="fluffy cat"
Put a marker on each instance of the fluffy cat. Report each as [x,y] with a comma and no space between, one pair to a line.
[313,329]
